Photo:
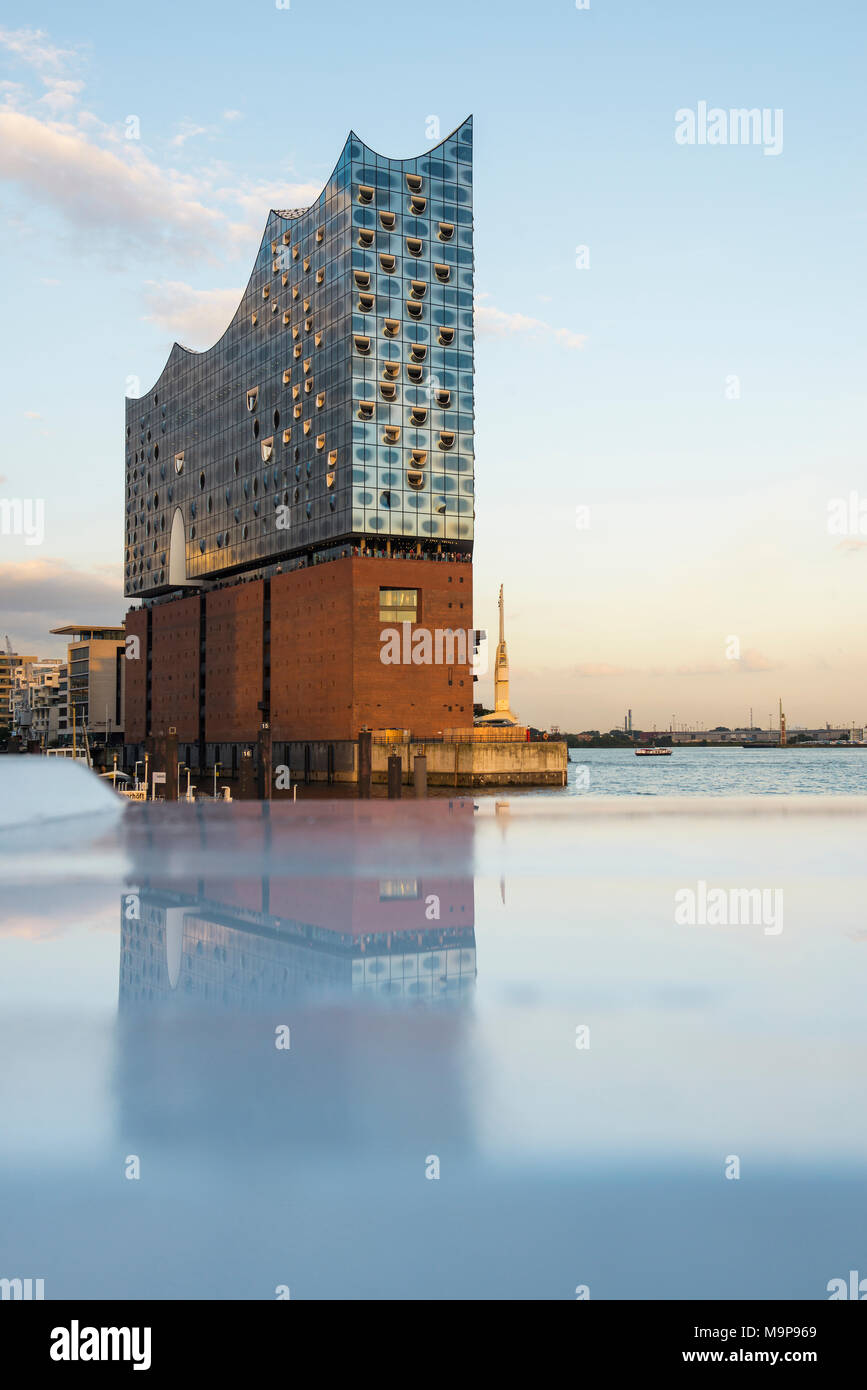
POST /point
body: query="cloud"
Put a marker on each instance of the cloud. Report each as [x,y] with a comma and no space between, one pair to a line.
[32,415]
[233,115]
[41,594]
[130,197]
[187,132]
[493,322]
[196,318]
[600,668]
[33,46]
[753,660]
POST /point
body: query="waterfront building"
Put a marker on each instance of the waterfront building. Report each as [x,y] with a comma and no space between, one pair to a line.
[37,707]
[308,480]
[10,661]
[96,673]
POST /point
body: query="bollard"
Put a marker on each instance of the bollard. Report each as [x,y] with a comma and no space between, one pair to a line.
[365,741]
[395,776]
[419,774]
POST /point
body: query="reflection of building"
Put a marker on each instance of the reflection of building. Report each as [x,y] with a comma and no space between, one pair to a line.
[214,960]
[264,941]
[96,672]
[308,480]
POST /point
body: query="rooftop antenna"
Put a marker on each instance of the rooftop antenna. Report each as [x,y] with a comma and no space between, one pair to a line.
[9,651]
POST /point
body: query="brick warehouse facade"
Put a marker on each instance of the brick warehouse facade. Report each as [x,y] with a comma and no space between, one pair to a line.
[309,480]
[301,650]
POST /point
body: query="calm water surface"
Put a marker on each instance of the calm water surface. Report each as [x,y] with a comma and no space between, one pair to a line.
[719,772]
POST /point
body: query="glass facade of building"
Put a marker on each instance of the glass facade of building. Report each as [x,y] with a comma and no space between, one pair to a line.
[337,408]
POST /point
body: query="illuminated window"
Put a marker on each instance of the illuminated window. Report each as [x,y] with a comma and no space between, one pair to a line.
[415,479]
[254,319]
[398,605]
[392,328]
[296,392]
[365,193]
[308,386]
[317,339]
[413,183]
[387,390]
[387,220]
[267,447]
[320,400]
[265,292]
[414,373]
[332,458]
[297,411]
[418,352]
[320,234]
[252,398]
[307,427]
[366,303]
[287,237]
[308,363]
[444,398]
[287,436]
[308,324]
[446,440]
[443,273]
[285,318]
[417,204]
[419,457]
[329,479]
[366,237]
[391,434]
[366,410]
[414,309]
[414,245]
[387,263]
[446,336]
[391,370]
[320,275]
[418,289]
[320,441]
[179,462]
[445,231]
[362,279]
[418,414]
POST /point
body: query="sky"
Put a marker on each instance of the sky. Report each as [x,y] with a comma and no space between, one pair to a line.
[669,354]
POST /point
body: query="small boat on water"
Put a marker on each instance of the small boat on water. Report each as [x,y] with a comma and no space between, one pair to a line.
[653,752]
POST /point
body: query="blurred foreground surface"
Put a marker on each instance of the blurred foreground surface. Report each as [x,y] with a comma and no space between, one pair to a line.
[428,969]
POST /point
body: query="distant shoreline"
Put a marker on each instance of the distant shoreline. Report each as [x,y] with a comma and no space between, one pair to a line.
[751,747]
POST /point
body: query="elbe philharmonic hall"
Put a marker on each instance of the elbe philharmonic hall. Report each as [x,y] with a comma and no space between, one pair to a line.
[308,480]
